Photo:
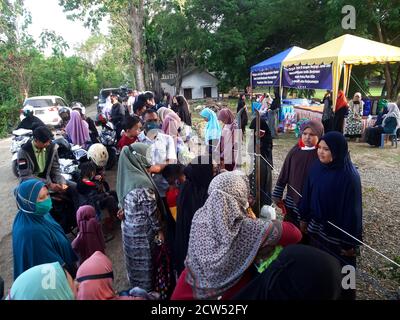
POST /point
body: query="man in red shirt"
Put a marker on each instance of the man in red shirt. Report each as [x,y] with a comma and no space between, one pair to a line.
[132,127]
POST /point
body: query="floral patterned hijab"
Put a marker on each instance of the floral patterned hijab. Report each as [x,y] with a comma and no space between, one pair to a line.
[223,240]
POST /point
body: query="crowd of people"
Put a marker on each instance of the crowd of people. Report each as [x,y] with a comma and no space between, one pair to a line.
[188,229]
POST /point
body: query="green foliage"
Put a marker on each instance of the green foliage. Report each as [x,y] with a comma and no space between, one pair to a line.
[9,117]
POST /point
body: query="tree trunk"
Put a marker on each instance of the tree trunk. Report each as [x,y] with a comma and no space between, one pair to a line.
[388,76]
[396,87]
[136,16]
[179,74]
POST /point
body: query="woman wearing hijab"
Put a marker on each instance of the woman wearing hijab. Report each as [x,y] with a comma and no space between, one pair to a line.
[296,168]
[29,284]
[181,107]
[213,129]
[327,114]
[299,273]
[332,194]
[390,123]
[90,237]
[225,241]
[171,124]
[95,277]
[163,112]
[78,130]
[266,153]
[354,126]
[37,238]
[192,197]
[139,198]
[340,111]
[228,143]
[244,117]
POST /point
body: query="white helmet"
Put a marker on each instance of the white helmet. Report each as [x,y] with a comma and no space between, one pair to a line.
[98,154]
[78,106]
[28,109]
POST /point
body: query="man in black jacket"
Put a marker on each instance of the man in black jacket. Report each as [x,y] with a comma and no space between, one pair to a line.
[30,122]
[117,115]
[38,158]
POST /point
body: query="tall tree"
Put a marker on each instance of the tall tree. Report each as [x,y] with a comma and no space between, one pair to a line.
[128,14]
[376,20]
[175,37]
[16,47]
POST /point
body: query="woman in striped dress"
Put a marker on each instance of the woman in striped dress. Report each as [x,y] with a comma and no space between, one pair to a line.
[141,221]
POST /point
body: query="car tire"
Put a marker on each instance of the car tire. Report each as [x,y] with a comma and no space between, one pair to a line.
[15,168]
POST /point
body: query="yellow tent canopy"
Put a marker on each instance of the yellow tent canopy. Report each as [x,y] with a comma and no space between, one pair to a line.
[343,52]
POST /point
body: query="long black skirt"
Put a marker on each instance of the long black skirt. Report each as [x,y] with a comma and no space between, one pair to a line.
[373,136]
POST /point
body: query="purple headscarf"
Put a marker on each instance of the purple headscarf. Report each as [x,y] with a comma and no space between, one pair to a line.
[90,237]
[78,129]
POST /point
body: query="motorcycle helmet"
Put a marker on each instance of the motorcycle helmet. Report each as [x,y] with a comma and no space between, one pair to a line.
[98,154]
[64,114]
[78,107]
[64,148]
[28,110]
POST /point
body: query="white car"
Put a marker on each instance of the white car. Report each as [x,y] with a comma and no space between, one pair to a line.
[46,108]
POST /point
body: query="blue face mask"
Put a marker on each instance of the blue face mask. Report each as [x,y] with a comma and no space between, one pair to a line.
[44,206]
[151,126]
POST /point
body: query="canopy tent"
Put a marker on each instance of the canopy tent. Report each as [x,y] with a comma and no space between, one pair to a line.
[333,56]
[267,72]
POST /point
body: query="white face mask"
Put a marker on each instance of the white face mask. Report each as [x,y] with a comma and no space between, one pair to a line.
[308,148]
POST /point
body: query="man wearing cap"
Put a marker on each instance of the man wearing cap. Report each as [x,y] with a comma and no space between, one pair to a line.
[38,158]
[30,122]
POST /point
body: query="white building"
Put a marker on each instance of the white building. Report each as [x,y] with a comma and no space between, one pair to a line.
[196,84]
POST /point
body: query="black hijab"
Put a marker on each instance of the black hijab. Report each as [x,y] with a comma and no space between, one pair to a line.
[244,117]
[192,197]
[266,140]
[183,110]
[299,273]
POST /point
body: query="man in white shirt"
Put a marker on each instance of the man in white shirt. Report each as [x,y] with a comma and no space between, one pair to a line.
[162,148]
[131,100]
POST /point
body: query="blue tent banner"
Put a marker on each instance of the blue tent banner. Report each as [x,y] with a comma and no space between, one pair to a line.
[308,76]
[265,78]
[267,73]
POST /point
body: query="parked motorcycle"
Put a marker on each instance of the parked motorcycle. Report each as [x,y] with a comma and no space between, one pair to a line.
[20,137]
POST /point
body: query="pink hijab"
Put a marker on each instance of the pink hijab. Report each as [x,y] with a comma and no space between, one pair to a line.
[171,124]
[95,277]
[227,143]
[78,129]
[90,237]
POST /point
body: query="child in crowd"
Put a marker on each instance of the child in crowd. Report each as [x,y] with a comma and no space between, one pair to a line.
[91,192]
[90,237]
[132,127]
[174,175]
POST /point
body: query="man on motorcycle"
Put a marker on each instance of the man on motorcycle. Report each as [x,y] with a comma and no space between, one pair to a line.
[30,122]
[38,158]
